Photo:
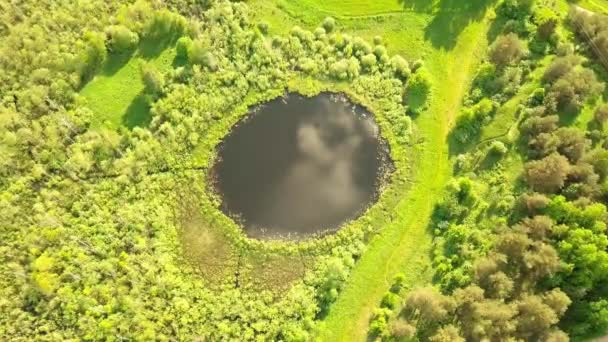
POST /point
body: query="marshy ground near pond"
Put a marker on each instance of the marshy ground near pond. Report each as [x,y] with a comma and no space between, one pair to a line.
[395,170]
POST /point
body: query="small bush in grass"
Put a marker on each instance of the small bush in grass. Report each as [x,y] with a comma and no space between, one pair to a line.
[368,61]
[329,24]
[498,148]
[122,39]
[419,63]
[182,47]
[379,324]
[398,283]
[389,300]
[263,27]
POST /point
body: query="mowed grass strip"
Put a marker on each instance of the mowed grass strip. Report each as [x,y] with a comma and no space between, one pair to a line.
[355,7]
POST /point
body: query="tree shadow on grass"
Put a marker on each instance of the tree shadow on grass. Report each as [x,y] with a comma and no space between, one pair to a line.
[461,138]
[115,62]
[138,113]
[153,46]
[451,18]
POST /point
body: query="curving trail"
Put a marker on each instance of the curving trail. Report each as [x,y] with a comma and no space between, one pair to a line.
[400,248]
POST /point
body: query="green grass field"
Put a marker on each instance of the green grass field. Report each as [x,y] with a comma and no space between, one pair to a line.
[115,95]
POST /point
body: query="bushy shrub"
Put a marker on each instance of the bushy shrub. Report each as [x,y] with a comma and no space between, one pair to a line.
[368,61]
[263,27]
[183,45]
[379,324]
[329,24]
[379,51]
[152,78]
[93,56]
[401,67]
[601,114]
[121,38]
[345,69]
[418,90]
[498,148]
[389,300]
[165,25]
[419,63]
[507,49]
[199,54]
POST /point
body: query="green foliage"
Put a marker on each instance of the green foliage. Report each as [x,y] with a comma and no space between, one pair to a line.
[547,20]
[401,66]
[329,24]
[507,49]
[94,54]
[122,39]
[418,90]
[468,126]
[152,78]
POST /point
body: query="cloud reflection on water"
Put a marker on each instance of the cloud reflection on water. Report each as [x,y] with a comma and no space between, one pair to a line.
[329,155]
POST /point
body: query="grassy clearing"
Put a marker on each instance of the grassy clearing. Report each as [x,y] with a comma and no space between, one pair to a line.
[116,96]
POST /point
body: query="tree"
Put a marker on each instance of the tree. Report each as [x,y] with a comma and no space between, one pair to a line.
[506,49]
[199,54]
[418,90]
[601,114]
[448,333]
[94,54]
[121,38]
[428,308]
[329,24]
[546,19]
[560,67]
[536,125]
[152,78]
[548,174]
[401,67]
[571,142]
[535,317]
[571,90]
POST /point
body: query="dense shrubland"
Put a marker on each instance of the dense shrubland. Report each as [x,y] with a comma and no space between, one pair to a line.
[90,241]
[523,256]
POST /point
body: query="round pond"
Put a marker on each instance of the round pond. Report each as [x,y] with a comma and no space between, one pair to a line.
[296,166]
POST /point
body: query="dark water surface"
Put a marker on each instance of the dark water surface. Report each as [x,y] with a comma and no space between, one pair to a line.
[298,166]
